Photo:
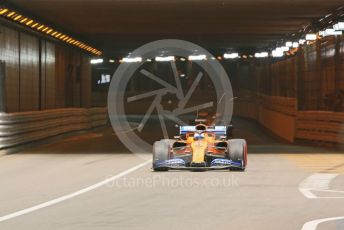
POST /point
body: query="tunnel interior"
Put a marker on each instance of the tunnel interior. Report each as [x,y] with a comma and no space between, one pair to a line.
[171,114]
[63,56]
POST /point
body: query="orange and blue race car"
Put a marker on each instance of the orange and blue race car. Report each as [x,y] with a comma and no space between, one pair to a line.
[199,148]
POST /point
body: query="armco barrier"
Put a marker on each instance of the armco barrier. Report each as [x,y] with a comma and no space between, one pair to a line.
[24,127]
[275,113]
[324,126]
[280,115]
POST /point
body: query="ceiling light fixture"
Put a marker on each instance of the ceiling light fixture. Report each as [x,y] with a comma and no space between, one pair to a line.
[3,11]
[339,26]
[284,48]
[311,37]
[197,57]
[230,55]
[131,60]
[302,41]
[164,59]
[261,55]
[96,61]
[289,44]
[277,53]
[330,32]
[295,45]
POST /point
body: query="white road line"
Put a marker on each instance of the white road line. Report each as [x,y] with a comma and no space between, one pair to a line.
[74,194]
[316,182]
[312,225]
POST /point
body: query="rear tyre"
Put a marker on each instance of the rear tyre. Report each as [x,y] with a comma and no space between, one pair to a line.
[237,152]
[161,152]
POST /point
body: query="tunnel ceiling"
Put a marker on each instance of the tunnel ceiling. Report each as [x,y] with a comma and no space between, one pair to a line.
[119,26]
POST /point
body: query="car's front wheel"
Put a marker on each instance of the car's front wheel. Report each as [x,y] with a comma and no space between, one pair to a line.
[161,151]
[237,152]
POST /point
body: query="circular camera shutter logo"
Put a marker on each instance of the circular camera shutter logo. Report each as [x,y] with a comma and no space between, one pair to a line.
[170,47]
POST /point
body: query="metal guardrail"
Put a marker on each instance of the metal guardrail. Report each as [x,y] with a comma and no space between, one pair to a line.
[284,105]
[324,126]
[24,127]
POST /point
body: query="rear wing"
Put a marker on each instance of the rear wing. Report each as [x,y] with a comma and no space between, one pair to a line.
[218,130]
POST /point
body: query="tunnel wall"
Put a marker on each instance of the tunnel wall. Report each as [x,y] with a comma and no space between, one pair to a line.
[280,116]
[313,78]
[281,124]
[274,113]
[41,74]
[314,75]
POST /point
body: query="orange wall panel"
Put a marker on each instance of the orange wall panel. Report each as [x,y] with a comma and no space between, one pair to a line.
[280,124]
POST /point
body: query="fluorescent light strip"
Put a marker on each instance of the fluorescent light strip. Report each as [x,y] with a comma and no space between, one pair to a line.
[302,41]
[3,11]
[96,61]
[261,55]
[330,32]
[277,53]
[289,44]
[131,60]
[284,48]
[163,59]
[339,26]
[230,55]
[311,37]
[197,57]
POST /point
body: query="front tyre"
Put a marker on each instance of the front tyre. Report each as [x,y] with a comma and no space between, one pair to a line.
[237,152]
[161,152]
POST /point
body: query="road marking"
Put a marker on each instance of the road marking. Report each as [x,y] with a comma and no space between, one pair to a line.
[74,194]
[317,182]
[312,225]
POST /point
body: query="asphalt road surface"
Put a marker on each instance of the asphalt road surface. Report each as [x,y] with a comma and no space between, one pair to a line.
[90,181]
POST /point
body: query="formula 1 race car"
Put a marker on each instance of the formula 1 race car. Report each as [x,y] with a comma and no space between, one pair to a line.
[199,148]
